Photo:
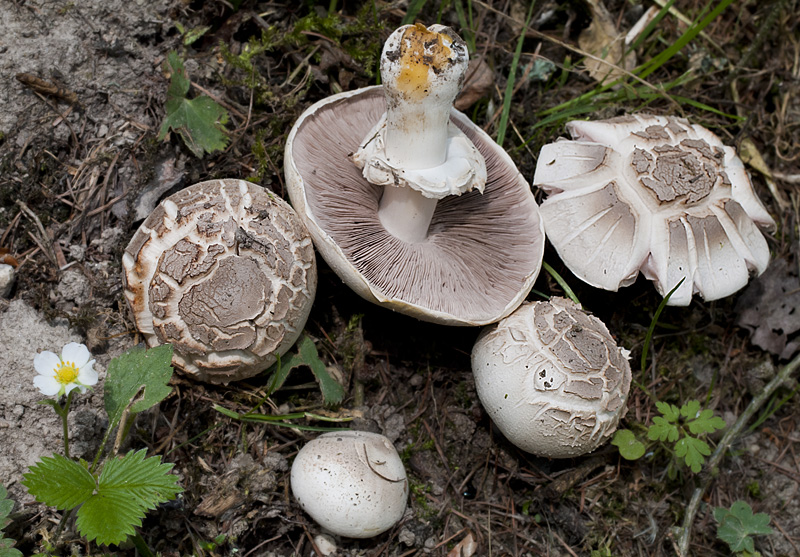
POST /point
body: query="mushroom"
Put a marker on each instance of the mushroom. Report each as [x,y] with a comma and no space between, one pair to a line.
[653,194]
[410,203]
[552,379]
[352,483]
[225,271]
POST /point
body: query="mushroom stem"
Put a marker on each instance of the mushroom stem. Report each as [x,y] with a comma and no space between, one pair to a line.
[416,131]
[414,151]
[406,213]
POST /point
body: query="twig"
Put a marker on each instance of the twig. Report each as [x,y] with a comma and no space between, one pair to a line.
[684,533]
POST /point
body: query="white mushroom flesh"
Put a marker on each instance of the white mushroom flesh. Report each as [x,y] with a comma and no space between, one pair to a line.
[352,483]
[657,195]
[414,149]
[225,271]
[552,378]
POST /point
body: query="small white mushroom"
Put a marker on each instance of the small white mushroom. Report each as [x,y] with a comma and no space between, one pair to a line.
[552,379]
[352,483]
[225,271]
[652,194]
[7,276]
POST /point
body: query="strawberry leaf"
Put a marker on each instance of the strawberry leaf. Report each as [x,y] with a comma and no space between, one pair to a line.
[200,122]
[738,523]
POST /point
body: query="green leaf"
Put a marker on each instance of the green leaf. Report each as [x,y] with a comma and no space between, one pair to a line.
[127,488]
[332,391]
[738,524]
[706,422]
[693,452]
[200,122]
[662,430]
[6,505]
[690,410]
[59,482]
[670,412]
[140,375]
[629,446]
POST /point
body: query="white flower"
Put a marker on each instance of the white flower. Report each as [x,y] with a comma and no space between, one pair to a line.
[59,375]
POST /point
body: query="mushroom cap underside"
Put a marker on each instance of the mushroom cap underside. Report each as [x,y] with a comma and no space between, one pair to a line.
[225,271]
[483,251]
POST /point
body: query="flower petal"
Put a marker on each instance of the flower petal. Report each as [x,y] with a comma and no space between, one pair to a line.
[45,363]
[598,236]
[70,386]
[47,385]
[87,375]
[76,353]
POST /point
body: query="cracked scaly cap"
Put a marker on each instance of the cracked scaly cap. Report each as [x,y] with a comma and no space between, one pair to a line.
[225,271]
[653,194]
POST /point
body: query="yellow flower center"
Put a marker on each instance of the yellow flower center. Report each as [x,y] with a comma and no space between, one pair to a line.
[66,372]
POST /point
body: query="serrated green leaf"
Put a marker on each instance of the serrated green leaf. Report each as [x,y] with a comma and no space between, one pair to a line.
[332,391]
[662,430]
[670,412]
[690,410]
[738,524]
[5,506]
[127,488]
[693,452]
[179,80]
[200,122]
[129,373]
[59,482]
[6,550]
[706,422]
[629,446]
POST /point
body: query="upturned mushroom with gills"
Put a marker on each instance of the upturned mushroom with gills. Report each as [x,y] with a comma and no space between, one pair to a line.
[412,205]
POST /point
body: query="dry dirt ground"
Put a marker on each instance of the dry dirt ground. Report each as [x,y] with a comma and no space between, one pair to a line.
[83,90]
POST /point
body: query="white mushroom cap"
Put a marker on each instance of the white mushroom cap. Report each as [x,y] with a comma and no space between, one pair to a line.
[225,271]
[482,253]
[653,194]
[552,379]
[352,483]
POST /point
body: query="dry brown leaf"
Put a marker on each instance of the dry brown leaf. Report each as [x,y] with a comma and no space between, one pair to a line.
[465,548]
[770,309]
[479,81]
[603,40]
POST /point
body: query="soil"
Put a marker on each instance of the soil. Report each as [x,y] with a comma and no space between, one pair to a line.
[83,88]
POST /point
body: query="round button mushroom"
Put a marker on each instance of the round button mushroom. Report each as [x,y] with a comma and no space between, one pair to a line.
[409,202]
[653,194]
[552,379]
[225,271]
[352,483]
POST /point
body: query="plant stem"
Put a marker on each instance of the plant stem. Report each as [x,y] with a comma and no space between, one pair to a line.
[684,533]
[64,413]
[140,545]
